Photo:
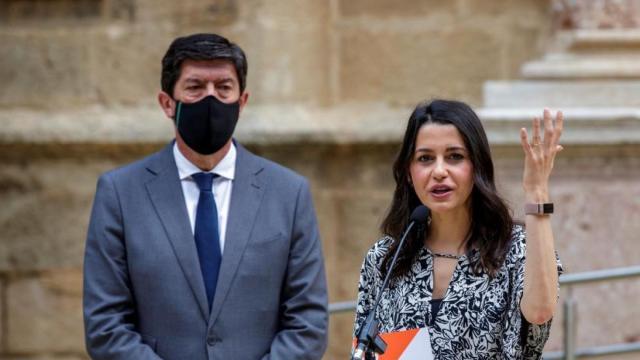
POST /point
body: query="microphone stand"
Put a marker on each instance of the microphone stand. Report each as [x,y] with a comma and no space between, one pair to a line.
[368,338]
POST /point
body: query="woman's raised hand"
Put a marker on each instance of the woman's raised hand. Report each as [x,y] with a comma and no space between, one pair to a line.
[540,154]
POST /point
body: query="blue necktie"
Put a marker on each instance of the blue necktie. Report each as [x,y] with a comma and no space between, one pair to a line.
[206,234]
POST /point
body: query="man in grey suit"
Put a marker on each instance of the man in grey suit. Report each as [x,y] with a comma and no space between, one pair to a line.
[204,250]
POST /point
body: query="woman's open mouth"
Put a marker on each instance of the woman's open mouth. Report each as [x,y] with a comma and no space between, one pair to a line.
[441,191]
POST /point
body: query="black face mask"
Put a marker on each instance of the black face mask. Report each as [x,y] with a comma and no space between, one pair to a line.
[206,125]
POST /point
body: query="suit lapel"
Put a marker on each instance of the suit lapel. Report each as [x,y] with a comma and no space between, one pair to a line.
[165,192]
[246,196]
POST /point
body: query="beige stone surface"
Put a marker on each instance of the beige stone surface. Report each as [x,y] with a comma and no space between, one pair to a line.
[189,13]
[381,8]
[525,11]
[46,68]
[561,94]
[121,127]
[413,59]
[44,313]
[287,50]
[479,41]
[126,62]
[44,357]
[114,58]
[37,232]
[2,315]
[21,13]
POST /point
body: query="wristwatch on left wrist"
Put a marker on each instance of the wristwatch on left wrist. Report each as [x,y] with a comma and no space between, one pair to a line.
[538,209]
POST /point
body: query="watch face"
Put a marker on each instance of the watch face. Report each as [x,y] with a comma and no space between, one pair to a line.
[538,209]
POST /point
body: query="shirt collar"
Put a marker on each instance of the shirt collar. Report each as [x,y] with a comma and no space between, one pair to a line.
[226,168]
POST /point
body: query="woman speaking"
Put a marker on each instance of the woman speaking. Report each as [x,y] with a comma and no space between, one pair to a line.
[485,287]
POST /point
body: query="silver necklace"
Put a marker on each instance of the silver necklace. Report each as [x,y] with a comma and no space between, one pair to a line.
[447,255]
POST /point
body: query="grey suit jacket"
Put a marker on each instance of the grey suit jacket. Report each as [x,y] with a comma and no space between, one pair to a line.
[144,297]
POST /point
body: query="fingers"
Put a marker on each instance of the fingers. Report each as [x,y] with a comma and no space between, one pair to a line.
[559,124]
[552,131]
[535,139]
[548,129]
[524,140]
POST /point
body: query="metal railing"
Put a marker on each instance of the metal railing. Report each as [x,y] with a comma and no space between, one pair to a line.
[569,316]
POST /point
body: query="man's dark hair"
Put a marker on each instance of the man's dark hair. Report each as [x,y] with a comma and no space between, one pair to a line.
[201,47]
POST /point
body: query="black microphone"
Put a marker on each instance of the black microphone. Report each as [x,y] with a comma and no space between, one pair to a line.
[368,338]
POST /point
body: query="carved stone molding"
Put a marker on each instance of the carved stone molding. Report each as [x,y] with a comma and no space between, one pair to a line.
[596,14]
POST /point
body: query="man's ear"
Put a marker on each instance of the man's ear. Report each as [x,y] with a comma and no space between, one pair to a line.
[167,104]
[244,98]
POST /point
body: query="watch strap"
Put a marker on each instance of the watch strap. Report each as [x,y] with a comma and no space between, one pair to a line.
[538,209]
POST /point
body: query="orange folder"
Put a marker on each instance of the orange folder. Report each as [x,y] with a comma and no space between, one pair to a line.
[414,344]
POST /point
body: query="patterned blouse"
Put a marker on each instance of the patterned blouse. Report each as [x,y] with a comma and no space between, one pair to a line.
[479,317]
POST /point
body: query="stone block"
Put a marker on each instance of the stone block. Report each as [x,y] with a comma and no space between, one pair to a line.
[127,63]
[561,94]
[354,217]
[190,13]
[519,11]
[46,212]
[120,10]
[414,65]
[299,70]
[2,315]
[349,223]
[383,8]
[296,73]
[345,168]
[567,66]
[20,12]
[358,215]
[283,13]
[522,42]
[600,41]
[45,313]
[92,126]
[340,336]
[46,69]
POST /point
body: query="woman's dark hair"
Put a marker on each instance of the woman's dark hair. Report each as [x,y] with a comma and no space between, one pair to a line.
[491,221]
[201,47]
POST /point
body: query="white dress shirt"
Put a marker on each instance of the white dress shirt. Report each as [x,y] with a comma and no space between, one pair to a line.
[222,186]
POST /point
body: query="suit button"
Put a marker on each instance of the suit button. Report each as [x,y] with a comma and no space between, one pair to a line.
[211,341]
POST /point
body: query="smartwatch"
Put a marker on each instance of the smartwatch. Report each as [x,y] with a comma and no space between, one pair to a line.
[538,209]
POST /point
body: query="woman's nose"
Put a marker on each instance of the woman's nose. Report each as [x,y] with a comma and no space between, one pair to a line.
[439,171]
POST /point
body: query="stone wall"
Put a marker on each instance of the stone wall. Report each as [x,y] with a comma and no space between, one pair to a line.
[60,54]
[332,83]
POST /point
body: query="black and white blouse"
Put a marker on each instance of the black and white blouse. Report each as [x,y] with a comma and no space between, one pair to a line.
[479,317]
